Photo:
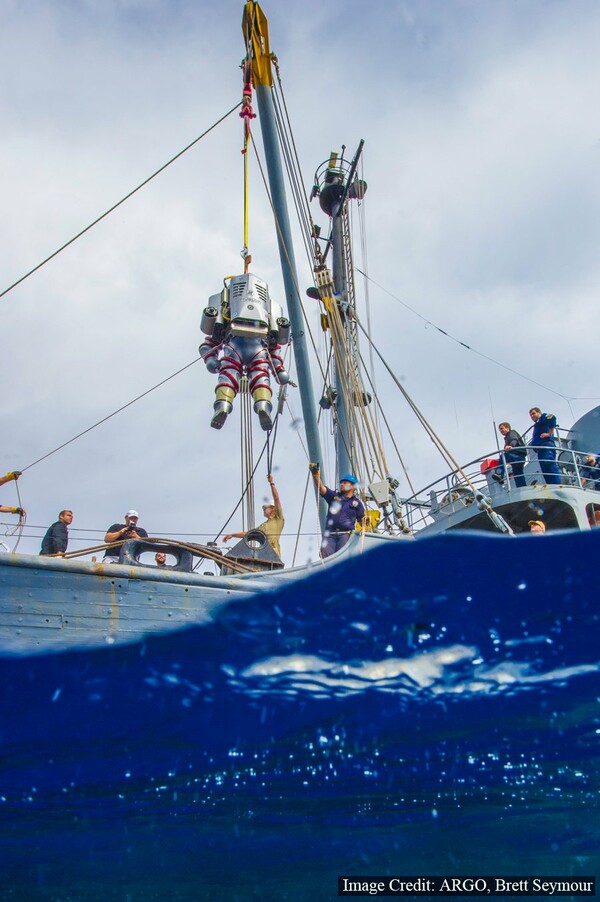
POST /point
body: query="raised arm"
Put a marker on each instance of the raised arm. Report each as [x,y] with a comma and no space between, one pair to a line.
[316,475]
[276,498]
[12,474]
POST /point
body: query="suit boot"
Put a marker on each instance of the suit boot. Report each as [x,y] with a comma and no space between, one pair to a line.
[263,409]
[222,409]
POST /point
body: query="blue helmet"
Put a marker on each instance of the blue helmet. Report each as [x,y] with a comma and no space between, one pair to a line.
[349,478]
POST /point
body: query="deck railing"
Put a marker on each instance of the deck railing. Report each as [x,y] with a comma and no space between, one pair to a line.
[452,492]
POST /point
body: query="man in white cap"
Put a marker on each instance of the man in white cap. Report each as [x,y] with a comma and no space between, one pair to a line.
[121,532]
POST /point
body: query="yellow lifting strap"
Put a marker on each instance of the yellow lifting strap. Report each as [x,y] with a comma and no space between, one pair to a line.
[245,253]
[256,32]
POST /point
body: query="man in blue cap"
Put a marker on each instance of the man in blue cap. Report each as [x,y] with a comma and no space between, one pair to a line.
[345,511]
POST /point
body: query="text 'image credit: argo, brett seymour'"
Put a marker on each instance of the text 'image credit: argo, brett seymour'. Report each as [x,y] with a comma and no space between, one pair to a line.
[467,886]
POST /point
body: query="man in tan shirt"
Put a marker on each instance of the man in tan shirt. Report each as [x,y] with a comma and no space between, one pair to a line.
[273,525]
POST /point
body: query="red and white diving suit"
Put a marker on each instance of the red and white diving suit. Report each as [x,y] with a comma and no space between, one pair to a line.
[244,332]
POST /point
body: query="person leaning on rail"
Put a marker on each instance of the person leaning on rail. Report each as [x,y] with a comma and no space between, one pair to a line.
[56,540]
[515,454]
[11,476]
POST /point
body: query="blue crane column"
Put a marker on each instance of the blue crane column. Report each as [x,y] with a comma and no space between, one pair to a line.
[290,275]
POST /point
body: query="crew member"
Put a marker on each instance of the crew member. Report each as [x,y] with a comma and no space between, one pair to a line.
[515,454]
[542,438]
[272,526]
[590,473]
[345,511]
[121,532]
[56,540]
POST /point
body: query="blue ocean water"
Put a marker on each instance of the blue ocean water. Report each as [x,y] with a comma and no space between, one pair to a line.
[431,708]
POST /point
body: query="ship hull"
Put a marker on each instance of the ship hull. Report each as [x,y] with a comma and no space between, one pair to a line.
[51,604]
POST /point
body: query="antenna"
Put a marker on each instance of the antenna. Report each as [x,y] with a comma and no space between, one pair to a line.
[493,419]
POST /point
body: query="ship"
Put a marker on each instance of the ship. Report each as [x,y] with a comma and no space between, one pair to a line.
[51,604]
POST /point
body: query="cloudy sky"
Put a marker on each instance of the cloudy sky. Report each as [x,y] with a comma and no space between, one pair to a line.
[482,156]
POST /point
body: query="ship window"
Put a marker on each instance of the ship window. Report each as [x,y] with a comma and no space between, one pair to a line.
[593,514]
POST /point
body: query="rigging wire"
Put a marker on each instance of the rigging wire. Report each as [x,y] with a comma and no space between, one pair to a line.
[251,477]
[473,350]
[443,450]
[381,413]
[301,202]
[110,415]
[118,204]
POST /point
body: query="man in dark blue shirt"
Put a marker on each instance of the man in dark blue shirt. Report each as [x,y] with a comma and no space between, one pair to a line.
[57,536]
[345,511]
[515,454]
[542,439]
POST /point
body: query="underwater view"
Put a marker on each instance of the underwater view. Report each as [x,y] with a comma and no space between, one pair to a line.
[427,709]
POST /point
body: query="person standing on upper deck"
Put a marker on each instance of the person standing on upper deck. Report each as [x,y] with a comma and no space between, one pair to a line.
[542,439]
[515,454]
[345,511]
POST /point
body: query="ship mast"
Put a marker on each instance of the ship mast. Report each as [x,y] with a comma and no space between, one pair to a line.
[335,184]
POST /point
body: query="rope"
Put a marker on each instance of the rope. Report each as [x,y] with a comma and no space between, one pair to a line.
[198,550]
[247,456]
[118,204]
[20,526]
[388,427]
[446,455]
[110,415]
[306,485]
[233,512]
[467,347]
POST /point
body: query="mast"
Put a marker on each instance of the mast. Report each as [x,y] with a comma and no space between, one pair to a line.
[256,33]
[335,184]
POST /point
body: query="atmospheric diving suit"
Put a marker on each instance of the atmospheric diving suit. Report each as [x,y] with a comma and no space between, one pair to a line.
[244,332]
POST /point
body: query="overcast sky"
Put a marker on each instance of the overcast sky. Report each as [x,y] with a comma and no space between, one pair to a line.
[482,156]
